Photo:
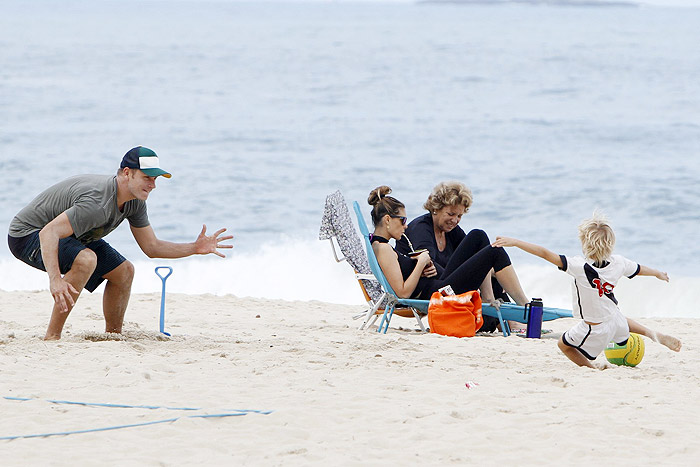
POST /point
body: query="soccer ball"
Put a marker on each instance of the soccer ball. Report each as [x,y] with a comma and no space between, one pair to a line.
[628,355]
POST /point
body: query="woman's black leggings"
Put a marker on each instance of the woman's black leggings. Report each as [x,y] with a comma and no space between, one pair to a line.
[469,265]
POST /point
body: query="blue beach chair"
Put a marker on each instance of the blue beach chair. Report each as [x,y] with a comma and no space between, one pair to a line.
[507,312]
[337,227]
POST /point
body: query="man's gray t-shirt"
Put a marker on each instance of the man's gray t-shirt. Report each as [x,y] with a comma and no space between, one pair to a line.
[89,201]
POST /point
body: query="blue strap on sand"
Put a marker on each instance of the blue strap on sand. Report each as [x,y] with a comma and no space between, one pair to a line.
[98,404]
[126,406]
[118,427]
[162,297]
[231,413]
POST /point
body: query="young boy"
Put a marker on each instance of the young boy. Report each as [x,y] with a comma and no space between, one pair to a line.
[595,277]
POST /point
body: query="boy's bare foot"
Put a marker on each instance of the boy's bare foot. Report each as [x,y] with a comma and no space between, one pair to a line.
[669,341]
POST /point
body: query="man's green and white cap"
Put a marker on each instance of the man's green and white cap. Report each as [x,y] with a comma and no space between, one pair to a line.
[144,159]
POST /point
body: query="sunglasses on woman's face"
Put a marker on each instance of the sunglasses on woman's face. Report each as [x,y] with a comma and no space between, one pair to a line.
[404,219]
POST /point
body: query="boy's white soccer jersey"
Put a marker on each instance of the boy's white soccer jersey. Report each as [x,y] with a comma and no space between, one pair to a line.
[594,300]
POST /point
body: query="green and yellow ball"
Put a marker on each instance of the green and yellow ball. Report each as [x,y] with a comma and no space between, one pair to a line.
[630,354]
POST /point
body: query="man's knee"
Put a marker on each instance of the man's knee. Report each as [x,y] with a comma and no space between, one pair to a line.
[85,262]
[122,274]
[128,270]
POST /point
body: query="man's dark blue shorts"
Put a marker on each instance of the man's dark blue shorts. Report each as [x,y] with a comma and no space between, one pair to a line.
[28,250]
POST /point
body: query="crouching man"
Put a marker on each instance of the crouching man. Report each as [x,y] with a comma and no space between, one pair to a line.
[61,232]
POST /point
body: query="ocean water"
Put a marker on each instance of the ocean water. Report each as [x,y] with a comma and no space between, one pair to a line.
[262,109]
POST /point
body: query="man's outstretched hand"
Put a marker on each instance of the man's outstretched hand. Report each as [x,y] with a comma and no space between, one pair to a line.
[210,244]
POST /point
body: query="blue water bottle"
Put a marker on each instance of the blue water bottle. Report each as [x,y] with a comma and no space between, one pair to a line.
[534,318]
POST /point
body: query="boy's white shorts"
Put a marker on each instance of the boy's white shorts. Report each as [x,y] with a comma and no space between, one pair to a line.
[591,340]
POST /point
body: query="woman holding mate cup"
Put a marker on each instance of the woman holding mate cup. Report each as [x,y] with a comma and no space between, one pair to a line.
[420,276]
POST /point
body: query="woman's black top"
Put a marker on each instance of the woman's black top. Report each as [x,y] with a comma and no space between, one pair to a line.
[420,231]
[406,264]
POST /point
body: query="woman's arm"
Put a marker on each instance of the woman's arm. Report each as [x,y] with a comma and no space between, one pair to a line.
[531,248]
[389,262]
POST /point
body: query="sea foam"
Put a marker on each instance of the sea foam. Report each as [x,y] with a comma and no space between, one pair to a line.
[293,269]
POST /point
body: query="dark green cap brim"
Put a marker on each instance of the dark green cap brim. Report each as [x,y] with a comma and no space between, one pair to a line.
[156,172]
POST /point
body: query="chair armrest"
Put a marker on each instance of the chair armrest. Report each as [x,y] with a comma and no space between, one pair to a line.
[335,252]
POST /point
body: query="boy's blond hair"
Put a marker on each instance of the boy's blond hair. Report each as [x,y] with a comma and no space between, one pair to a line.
[597,238]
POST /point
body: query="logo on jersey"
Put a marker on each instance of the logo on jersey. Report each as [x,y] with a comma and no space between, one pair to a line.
[604,288]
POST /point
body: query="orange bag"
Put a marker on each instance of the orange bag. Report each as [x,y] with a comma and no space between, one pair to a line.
[455,315]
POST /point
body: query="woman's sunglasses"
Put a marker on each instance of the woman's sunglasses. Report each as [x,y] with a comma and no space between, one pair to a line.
[404,219]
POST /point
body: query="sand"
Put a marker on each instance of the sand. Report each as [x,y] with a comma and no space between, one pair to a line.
[337,395]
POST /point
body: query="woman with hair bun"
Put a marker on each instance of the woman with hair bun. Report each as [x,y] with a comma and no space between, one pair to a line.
[419,277]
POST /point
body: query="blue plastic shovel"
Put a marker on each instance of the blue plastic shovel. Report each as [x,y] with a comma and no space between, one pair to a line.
[162,297]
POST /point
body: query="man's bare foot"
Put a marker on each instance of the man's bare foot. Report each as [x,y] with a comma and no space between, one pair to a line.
[52,337]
